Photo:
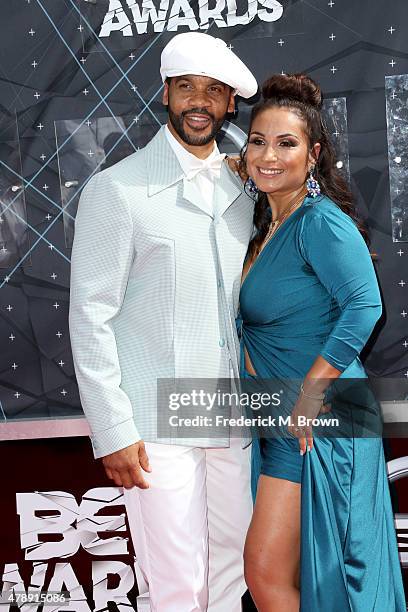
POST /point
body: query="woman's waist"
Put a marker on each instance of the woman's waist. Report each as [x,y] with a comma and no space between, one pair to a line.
[289,356]
[286,335]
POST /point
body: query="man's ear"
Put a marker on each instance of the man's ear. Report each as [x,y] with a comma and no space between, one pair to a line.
[231,102]
[165,98]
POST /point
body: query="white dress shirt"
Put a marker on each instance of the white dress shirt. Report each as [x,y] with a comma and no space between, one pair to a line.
[197,170]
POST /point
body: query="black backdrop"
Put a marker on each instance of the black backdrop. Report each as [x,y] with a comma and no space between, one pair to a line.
[73,101]
[68,95]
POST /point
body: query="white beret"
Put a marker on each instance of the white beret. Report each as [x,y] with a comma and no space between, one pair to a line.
[201,54]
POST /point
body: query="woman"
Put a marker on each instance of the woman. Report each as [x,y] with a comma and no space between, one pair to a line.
[322,536]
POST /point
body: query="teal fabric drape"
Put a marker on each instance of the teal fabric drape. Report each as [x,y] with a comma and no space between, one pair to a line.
[313,291]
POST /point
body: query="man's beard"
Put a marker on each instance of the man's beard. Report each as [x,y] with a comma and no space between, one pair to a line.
[195,141]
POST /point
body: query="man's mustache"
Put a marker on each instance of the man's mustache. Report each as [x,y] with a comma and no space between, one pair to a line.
[198,111]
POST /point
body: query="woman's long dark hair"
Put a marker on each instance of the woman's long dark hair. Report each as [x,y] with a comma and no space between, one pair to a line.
[301,94]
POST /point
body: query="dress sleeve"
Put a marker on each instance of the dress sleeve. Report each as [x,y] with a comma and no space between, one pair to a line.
[332,245]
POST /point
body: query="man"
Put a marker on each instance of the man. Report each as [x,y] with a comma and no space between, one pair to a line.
[159,245]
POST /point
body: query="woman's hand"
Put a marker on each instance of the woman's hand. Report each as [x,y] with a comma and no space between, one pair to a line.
[307,408]
[310,401]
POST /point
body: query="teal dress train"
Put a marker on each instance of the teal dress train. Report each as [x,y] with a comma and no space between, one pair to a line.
[313,291]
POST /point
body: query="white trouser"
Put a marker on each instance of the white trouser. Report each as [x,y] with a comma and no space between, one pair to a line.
[189,528]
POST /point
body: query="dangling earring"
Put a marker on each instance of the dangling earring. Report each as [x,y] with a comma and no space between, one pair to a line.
[251,187]
[312,185]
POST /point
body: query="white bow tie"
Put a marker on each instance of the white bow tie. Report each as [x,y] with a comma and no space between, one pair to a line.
[211,165]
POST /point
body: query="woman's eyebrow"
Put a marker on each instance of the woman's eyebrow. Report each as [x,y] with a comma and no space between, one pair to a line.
[279,135]
[288,134]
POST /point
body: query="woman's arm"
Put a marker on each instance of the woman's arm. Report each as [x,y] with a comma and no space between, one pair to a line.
[334,248]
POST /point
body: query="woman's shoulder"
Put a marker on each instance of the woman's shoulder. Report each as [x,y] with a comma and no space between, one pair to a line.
[322,205]
[325,224]
[323,210]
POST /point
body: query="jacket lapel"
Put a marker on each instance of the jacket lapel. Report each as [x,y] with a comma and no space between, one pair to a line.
[164,171]
[227,189]
[192,194]
[163,167]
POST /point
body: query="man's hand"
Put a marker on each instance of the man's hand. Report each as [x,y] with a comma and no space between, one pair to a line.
[235,164]
[125,466]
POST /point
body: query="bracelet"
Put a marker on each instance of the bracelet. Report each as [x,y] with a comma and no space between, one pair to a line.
[319,398]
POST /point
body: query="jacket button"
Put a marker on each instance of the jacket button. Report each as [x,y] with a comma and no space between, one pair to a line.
[221,342]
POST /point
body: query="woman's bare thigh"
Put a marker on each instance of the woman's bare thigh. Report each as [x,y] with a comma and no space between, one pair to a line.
[273,539]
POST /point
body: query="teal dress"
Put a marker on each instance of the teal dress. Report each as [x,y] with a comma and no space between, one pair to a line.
[313,291]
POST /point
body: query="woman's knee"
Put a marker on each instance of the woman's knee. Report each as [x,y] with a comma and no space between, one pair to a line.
[270,569]
[258,568]
[270,589]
